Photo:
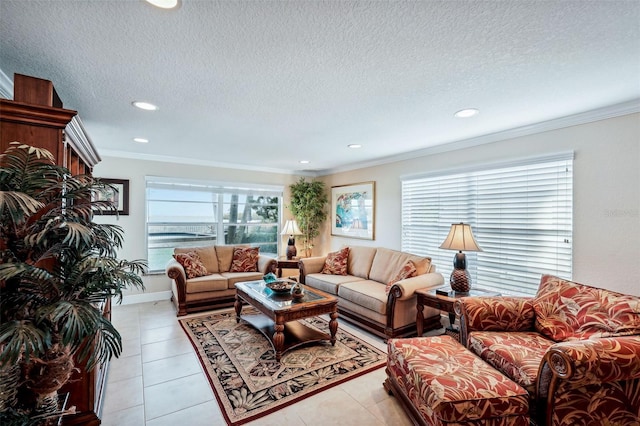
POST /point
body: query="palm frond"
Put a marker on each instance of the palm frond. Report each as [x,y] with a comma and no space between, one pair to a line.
[21,337]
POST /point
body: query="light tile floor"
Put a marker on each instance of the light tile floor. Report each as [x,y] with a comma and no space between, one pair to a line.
[159,381]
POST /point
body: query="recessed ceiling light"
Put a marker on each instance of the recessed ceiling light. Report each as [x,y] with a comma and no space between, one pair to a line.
[144,105]
[141,140]
[466,113]
[304,161]
[354,145]
[164,4]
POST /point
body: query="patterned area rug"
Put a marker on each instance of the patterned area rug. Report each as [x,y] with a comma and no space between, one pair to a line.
[248,381]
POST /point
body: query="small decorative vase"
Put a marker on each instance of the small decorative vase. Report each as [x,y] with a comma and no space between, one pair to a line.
[297,291]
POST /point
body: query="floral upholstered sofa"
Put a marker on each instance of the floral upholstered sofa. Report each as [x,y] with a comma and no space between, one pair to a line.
[204,278]
[574,348]
[375,287]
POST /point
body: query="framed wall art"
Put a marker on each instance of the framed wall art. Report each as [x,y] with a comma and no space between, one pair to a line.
[353,210]
[118,194]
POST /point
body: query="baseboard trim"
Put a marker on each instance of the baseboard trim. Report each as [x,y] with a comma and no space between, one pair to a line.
[131,299]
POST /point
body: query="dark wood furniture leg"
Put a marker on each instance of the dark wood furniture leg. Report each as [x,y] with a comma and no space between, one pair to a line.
[333,325]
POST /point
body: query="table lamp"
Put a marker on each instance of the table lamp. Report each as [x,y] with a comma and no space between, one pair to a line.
[460,238]
[291,228]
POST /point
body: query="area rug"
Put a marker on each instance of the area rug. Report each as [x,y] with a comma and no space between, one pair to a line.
[248,381]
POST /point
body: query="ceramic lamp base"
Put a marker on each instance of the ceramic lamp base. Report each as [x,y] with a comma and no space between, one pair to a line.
[460,281]
[291,252]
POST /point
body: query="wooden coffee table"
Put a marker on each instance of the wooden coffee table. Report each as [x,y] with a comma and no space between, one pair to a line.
[279,315]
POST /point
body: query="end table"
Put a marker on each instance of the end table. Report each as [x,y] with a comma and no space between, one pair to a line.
[444,303]
[284,263]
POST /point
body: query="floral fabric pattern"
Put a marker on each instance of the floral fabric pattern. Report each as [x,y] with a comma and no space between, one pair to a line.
[245,259]
[568,310]
[499,313]
[517,354]
[447,383]
[336,262]
[191,263]
[408,270]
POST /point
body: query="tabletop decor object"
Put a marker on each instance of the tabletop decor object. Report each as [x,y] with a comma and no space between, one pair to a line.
[291,229]
[460,238]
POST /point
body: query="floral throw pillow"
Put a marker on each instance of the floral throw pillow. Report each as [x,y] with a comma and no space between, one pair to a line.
[245,259]
[192,264]
[336,262]
[408,270]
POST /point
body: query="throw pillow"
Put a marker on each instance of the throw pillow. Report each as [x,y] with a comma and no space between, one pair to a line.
[245,259]
[407,271]
[336,262]
[192,264]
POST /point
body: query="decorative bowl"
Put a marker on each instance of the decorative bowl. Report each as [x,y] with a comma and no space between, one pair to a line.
[279,286]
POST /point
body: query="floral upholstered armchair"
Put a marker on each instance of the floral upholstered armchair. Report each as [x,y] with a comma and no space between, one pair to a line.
[574,348]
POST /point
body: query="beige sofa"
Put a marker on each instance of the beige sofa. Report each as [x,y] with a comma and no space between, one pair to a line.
[215,290]
[361,293]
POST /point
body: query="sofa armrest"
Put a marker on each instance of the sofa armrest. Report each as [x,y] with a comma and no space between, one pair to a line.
[175,271]
[267,264]
[310,265]
[595,361]
[405,289]
[499,313]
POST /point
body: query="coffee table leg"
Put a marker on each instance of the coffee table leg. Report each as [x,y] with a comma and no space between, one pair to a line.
[238,306]
[278,338]
[333,327]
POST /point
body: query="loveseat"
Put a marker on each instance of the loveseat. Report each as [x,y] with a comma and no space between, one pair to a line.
[574,348]
[376,288]
[207,279]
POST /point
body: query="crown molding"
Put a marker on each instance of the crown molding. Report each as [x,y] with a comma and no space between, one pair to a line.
[604,113]
[6,86]
[198,162]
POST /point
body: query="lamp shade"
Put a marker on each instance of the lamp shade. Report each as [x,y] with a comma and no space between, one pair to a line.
[460,238]
[291,228]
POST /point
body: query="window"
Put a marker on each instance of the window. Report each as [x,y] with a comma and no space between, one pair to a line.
[521,215]
[191,214]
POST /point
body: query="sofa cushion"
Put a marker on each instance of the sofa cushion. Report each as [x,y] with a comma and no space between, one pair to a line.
[407,271]
[360,260]
[386,264]
[516,354]
[336,262]
[329,283]
[191,263]
[212,282]
[566,310]
[245,259]
[225,257]
[236,277]
[366,293]
[207,255]
[423,264]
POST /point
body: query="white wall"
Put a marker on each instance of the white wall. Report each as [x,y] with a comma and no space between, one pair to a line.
[134,224]
[606,194]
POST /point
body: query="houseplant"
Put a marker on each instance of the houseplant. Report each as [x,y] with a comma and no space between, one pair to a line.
[56,268]
[308,201]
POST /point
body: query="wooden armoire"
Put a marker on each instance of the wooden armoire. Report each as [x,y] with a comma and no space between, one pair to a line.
[36,117]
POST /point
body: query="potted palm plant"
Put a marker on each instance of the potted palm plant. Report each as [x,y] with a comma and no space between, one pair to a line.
[308,201]
[57,267]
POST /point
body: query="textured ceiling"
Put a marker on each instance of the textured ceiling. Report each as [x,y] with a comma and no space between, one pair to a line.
[268,83]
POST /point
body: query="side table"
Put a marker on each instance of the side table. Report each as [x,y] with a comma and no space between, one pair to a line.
[444,303]
[284,263]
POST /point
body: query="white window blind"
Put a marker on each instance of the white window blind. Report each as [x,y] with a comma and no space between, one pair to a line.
[191,214]
[521,215]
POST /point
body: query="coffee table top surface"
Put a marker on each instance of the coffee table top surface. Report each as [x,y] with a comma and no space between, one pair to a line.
[277,301]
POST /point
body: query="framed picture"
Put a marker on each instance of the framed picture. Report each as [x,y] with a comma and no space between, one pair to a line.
[119,194]
[353,210]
